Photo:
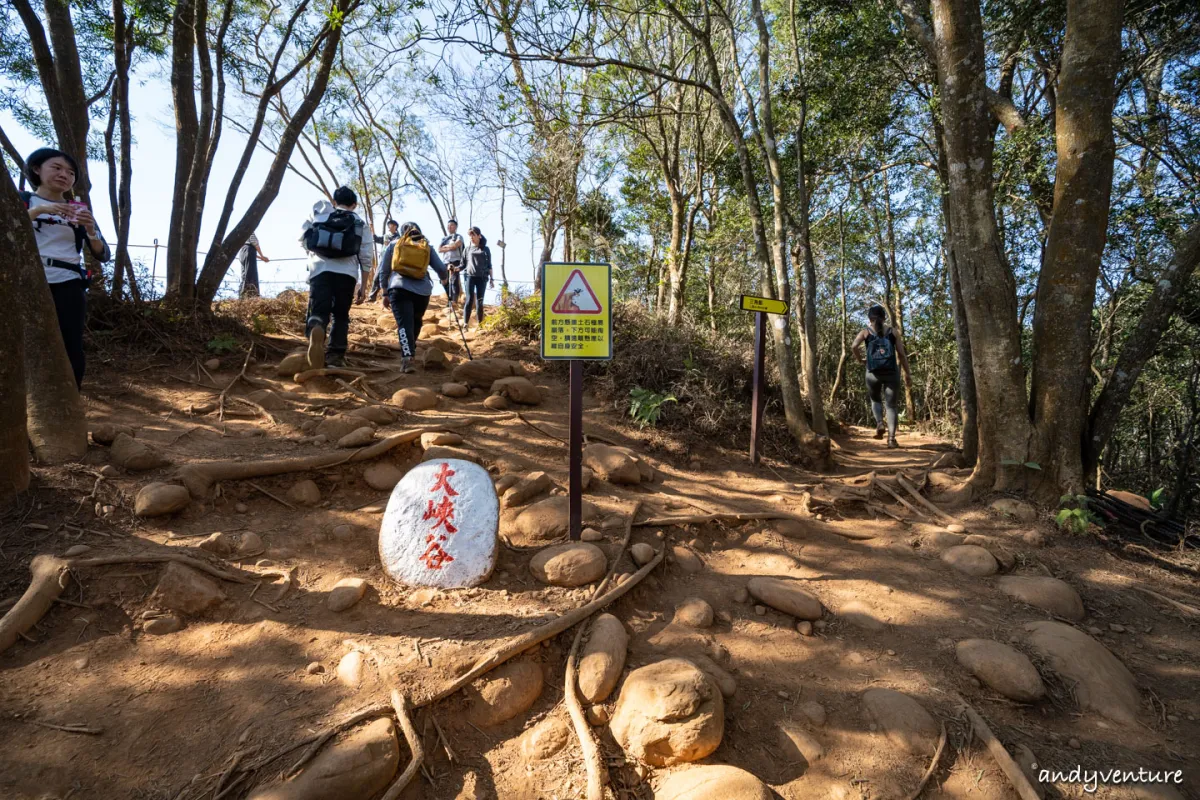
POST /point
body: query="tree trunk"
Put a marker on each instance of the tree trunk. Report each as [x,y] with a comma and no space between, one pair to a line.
[674,259]
[1062,325]
[897,298]
[841,366]
[181,252]
[55,418]
[1140,345]
[503,236]
[123,43]
[988,288]
[21,252]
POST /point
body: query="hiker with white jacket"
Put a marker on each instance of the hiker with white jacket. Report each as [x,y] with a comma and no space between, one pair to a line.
[340,257]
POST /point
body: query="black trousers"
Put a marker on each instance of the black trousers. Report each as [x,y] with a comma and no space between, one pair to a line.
[70,301]
[248,257]
[408,308]
[454,285]
[884,389]
[330,295]
[476,286]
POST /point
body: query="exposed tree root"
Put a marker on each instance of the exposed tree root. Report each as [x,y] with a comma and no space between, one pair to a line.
[50,576]
[1182,608]
[597,774]
[75,728]
[875,482]
[199,478]
[1003,760]
[225,391]
[937,756]
[742,516]
[328,372]
[400,706]
[920,498]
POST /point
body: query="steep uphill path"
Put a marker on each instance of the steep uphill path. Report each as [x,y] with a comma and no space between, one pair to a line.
[189,703]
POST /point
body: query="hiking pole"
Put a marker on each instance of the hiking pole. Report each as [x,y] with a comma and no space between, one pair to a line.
[461,332]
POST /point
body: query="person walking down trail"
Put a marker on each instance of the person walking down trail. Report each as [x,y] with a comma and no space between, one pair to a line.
[339,258]
[451,251]
[62,229]
[404,270]
[393,233]
[884,348]
[248,256]
[478,269]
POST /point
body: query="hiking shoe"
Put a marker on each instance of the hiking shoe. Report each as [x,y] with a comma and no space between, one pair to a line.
[893,444]
[335,360]
[316,347]
[406,366]
[880,431]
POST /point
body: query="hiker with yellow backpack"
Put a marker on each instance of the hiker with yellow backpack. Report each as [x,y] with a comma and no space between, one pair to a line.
[404,270]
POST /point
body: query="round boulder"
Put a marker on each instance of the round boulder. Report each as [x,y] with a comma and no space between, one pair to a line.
[694,612]
[304,493]
[669,712]
[546,520]
[159,499]
[1101,682]
[545,739]
[642,553]
[346,593]
[382,476]
[603,659]
[712,782]
[519,390]
[971,559]
[361,764]
[1046,593]
[505,692]
[788,596]
[1017,509]
[611,464]
[1003,668]
[572,564]
[902,720]
[415,398]
[496,402]
[455,389]
[483,372]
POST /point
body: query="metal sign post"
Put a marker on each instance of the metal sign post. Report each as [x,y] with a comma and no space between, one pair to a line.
[761,306]
[576,326]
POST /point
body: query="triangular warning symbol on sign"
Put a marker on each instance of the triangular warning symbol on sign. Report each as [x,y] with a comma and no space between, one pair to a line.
[576,297]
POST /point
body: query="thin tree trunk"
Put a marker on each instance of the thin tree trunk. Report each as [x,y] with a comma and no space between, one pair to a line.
[181,255]
[21,255]
[1140,345]
[1062,325]
[897,297]
[503,236]
[841,366]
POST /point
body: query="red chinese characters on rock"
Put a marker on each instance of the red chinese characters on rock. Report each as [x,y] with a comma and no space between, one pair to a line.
[441,514]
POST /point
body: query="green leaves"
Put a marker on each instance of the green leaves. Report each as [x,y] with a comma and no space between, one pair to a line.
[645,406]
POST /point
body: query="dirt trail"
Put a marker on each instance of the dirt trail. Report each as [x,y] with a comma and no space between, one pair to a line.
[238,677]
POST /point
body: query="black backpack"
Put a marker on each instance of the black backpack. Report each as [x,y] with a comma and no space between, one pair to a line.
[881,352]
[338,236]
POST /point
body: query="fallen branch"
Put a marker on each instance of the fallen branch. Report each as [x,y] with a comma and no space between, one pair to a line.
[937,756]
[400,706]
[743,516]
[281,502]
[897,497]
[160,558]
[1003,760]
[50,576]
[65,728]
[225,391]
[920,498]
[1182,608]
[328,372]
[199,478]
[543,432]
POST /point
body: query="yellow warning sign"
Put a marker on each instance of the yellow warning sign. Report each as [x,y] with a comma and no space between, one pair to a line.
[576,311]
[764,304]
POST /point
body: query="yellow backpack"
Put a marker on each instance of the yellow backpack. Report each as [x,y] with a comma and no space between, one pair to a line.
[410,256]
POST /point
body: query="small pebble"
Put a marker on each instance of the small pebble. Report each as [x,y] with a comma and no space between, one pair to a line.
[77,550]
[873,727]
[1172,718]
[741,595]
[891,652]
[659,535]
[820,624]
[1074,744]
[725,617]
[241,508]
[783,695]
[760,610]
[82,662]
[1161,657]
[315,668]
[1115,628]
[804,627]
[1094,631]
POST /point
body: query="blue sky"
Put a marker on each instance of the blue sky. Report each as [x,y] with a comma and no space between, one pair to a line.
[153,178]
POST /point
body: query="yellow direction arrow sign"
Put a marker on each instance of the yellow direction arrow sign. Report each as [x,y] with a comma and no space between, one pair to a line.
[764,304]
[576,311]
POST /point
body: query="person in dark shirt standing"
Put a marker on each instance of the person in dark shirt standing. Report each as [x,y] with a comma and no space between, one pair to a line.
[451,252]
[248,257]
[478,268]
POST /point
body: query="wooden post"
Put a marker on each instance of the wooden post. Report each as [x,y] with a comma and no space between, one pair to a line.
[575,438]
[760,335]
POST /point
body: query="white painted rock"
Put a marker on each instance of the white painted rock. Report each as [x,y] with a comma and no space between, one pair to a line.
[382,476]
[572,564]
[712,782]
[1101,682]
[1004,668]
[440,526]
[971,559]
[1046,593]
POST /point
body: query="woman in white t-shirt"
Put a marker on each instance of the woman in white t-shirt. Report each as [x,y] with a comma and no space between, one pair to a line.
[62,228]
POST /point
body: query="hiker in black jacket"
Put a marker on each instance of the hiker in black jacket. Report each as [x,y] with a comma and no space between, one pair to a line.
[884,348]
